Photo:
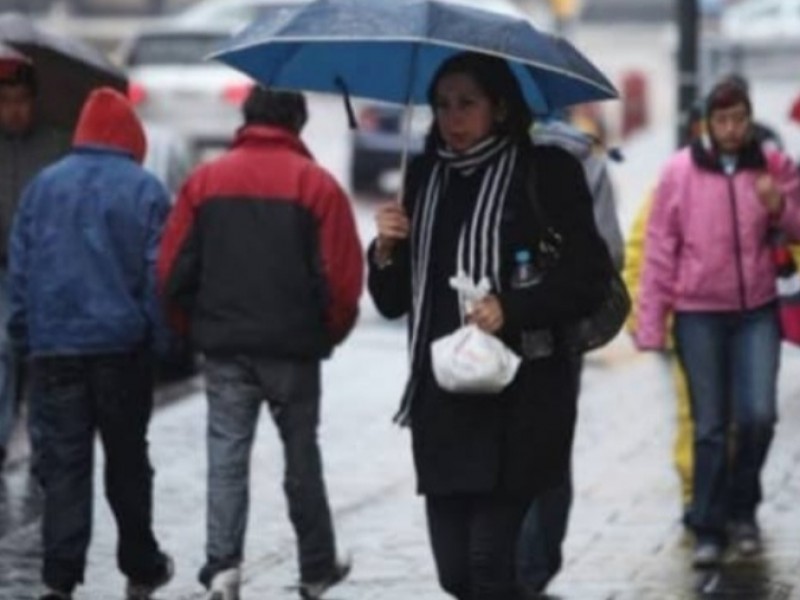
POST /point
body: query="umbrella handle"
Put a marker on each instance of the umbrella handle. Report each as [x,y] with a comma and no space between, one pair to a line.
[348,104]
[408,113]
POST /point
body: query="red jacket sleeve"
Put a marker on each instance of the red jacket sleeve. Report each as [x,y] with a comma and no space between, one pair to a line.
[340,248]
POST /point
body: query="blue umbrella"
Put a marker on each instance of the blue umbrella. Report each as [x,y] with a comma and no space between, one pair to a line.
[389,50]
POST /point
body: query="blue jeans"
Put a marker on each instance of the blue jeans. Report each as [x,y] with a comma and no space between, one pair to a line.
[8,367]
[237,388]
[731,362]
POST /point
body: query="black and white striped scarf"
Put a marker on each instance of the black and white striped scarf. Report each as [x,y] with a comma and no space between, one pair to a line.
[479,240]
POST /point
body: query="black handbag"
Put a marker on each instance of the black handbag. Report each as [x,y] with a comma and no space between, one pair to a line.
[601,326]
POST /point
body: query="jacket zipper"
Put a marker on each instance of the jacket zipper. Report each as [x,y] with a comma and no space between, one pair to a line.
[737,243]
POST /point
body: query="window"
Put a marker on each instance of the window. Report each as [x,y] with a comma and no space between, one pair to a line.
[172,49]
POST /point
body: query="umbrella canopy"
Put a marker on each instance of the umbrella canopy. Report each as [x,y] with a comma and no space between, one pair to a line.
[390,51]
[67,70]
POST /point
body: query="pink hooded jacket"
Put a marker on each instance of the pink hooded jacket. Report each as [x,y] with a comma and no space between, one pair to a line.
[707,242]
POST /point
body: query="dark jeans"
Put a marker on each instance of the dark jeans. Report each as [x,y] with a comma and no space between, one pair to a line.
[729,356]
[545,526]
[541,537]
[237,387]
[73,397]
[474,541]
[8,368]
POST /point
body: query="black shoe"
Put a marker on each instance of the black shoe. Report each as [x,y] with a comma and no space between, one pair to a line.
[137,590]
[2,457]
[51,594]
[313,590]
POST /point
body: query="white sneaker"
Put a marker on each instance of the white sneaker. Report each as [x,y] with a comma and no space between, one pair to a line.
[746,537]
[225,585]
[707,555]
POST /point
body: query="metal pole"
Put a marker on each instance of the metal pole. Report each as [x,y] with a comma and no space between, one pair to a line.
[688,26]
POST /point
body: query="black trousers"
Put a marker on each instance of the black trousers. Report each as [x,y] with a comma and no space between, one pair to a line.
[474,541]
[74,397]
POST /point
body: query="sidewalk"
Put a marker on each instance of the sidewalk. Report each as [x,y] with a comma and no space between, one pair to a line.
[625,540]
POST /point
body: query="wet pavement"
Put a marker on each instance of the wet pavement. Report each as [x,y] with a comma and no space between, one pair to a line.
[625,540]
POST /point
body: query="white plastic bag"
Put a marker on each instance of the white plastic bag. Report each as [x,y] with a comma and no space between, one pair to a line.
[469,360]
[472,361]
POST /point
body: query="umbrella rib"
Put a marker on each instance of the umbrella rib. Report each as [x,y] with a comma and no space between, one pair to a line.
[417,40]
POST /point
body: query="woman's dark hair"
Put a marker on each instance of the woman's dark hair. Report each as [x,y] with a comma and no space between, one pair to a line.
[495,79]
[727,93]
[19,73]
[286,109]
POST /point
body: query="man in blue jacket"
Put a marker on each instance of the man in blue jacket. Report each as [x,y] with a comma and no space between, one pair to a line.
[84,309]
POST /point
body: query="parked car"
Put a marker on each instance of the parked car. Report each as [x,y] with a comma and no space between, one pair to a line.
[172,83]
[234,14]
[377,145]
[766,20]
[92,8]
[169,156]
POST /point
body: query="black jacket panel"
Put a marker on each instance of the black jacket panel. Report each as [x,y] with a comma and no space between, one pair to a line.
[254,298]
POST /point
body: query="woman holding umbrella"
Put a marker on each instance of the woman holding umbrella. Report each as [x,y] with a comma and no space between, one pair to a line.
[469,200]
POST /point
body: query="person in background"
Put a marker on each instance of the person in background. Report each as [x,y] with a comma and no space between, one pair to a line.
[261,255]
[545,525]
[481,458]
[718,284]
[26,145]
[683,454]
[761,132]
[85,310]
[682,450]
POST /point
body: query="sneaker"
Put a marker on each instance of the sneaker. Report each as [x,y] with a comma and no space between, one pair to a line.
[143,591]
[746,537]
[707,555]
[225,585]
[313,590]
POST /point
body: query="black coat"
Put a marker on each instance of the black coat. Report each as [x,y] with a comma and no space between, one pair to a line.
[517,442]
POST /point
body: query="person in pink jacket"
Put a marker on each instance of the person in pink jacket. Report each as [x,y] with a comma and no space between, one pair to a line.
[707,270]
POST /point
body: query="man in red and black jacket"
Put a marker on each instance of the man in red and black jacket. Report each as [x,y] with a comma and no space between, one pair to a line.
[261,259]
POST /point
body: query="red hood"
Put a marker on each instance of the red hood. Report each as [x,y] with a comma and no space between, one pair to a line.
[108,119]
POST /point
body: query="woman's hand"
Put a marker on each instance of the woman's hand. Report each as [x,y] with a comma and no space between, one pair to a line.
[393,226]
[487,314]
[769,194]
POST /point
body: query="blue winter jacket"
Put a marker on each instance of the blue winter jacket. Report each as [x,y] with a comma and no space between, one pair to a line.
[82,254]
